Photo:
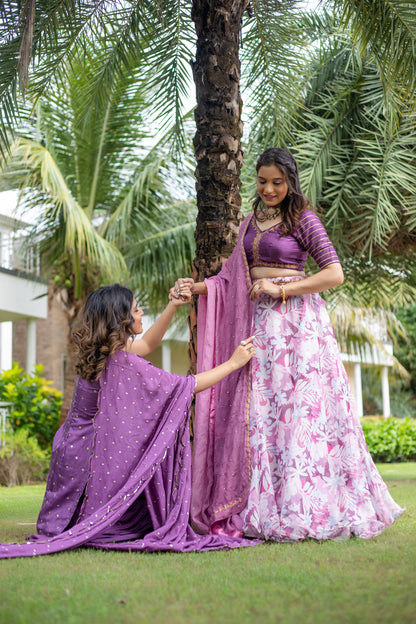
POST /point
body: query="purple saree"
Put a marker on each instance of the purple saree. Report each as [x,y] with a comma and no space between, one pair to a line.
[121,480]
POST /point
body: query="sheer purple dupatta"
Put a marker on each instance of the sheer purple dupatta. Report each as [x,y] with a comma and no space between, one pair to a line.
[221,469]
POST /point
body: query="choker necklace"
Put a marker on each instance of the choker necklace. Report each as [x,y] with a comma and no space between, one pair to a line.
[267,214]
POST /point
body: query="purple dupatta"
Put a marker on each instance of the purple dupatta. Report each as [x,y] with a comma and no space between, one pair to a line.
[221,470]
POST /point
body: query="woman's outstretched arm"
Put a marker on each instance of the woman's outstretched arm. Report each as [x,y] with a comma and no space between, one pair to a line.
[239,358]
[150,340]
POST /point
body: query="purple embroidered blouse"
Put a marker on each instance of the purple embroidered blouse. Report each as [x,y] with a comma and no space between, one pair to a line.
[271,249]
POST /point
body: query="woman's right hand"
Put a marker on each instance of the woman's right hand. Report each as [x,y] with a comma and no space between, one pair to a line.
[241,356]
[243,353]
[175,291]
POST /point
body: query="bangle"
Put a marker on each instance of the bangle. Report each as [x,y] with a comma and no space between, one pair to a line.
[282,292]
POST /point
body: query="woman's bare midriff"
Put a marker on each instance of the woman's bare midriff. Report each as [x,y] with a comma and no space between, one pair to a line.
[270,272]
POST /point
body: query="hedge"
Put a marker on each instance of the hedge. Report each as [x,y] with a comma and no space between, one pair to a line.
[22,460]
[35,404]
[390,439]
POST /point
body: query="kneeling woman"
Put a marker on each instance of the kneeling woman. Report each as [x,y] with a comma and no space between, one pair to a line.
[120,470]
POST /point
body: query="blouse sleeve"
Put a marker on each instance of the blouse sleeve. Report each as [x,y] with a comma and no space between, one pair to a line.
[312,236]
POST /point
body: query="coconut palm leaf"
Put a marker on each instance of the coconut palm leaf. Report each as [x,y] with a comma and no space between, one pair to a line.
[43,189]
[385,282]
[363,311]
[357,329]
[123,187]
[123,32]
[388,195]
[355,147]
[47,31]
[161,226]
[162,252]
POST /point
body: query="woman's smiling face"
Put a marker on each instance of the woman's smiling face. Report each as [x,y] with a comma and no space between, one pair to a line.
[271,185]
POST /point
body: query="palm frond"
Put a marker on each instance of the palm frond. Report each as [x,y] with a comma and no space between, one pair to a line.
[354,145]
[162,230]
[163,251]
[168,84]
[389,165]
[385,282]
[154,182]
[122,34]
[56,26]
[366,332]
[387,30]
[272,53]
[43,189]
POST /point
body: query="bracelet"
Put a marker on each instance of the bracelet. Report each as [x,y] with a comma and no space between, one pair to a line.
[282,292]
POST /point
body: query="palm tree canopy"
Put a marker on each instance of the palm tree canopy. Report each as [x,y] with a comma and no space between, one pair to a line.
[49,32]
[96,177]
[121,32]
[374,95]
[353,141]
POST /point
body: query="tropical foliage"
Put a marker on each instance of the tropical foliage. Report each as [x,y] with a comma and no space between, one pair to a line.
[50,33]
[22,460]
[406,348]
[352,104]
[101,188]
[352,139]
[390,439]
[106,199]
[35,405]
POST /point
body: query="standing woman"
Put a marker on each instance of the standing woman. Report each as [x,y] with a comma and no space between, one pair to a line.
[120,470]
[279,453]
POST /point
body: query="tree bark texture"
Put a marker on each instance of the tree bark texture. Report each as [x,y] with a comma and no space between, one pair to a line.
[217,142]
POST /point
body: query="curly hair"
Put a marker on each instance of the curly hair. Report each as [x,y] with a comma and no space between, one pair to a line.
[295,201]
[105,325]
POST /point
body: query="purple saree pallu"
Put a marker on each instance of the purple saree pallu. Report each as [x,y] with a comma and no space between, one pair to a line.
[121,480]
[279,453]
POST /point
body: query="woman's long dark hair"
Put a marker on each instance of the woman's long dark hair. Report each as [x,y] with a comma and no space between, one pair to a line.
[105,325]
[295,201]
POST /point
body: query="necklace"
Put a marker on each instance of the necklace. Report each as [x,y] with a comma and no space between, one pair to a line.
[266,213]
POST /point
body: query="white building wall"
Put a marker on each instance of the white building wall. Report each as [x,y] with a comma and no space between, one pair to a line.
[23,296]
[6,344]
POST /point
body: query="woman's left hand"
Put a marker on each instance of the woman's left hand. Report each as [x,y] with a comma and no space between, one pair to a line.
[264,287]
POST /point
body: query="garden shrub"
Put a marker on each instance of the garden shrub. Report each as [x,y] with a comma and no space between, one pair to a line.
[390,439]
[36,405]
[22,460]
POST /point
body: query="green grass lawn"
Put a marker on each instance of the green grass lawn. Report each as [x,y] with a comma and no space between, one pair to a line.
[325,583]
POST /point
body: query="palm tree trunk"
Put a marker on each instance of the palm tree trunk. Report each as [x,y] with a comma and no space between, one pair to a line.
[217,142]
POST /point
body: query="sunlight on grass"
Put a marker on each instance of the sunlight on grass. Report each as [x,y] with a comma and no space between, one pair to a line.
[352,582]
[397,471]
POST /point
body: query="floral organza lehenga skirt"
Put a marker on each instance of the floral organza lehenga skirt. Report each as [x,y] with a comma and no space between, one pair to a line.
[312,474]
